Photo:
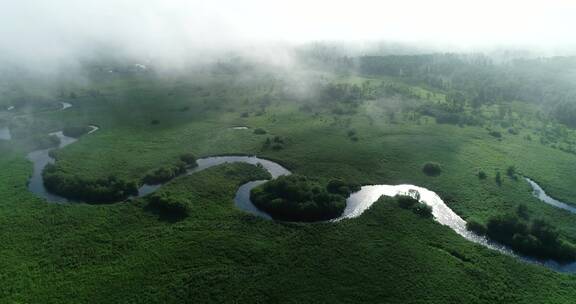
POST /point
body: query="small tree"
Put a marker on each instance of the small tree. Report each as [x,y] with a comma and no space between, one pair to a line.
[432,169]
[511,172]
[259,131]
[482,175]
[189,159]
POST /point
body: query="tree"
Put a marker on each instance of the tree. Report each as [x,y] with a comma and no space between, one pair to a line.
[432,169]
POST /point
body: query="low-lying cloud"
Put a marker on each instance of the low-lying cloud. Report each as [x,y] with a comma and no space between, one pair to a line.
[49,33]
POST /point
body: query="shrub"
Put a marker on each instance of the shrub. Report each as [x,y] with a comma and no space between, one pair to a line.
[103,190]
[511,172]
[482,175]
[155,122]
[476,227]
[432,169]
[75,131]
[423,210]
[537,238]
[189,159]
[259,131]
[412,203]
[165,174]
[341,187]
[406,201]
[166,204]
[297,198]
[496,134]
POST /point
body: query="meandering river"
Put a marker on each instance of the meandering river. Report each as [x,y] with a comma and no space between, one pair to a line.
[356,204]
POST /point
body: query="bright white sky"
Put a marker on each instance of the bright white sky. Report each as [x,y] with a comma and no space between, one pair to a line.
[45,28]
[455,21]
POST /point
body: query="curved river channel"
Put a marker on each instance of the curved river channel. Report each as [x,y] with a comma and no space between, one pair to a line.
[356,204]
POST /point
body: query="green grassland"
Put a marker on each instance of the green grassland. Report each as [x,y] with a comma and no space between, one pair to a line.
[128,253]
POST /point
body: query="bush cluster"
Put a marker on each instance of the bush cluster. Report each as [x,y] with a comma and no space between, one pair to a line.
[411,203]
[297,198]
[169,205]
[535,238]
[102,190]
[276,143]
[338,186]
[166,173]
[75,131]
[432,169]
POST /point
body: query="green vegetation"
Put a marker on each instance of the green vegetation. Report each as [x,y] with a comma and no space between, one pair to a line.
[414,204]
[536,238]
[432,169]
[189,159]
[188,243]
[259,131]
[165,174]
[103,190]
[297,198]
[76,131]
[169,206]
[274,144]
[338,186]
[482,175]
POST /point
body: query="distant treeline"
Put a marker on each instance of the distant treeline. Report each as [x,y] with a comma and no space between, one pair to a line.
[474,79]
[480,81]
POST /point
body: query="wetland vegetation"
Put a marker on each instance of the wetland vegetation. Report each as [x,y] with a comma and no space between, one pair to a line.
[464,126]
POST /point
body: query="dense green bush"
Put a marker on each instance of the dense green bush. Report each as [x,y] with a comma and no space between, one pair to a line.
[482,175]
[259,131]
[189,159]
[76,131]
[432,169]
[276,143]
[511,172]
[169,205]
[164,174]
[111,189]
[423,210]
[406,201]
[535,238]
[476,227]
[338,186]
[496,134]
[297,198]
[412,203]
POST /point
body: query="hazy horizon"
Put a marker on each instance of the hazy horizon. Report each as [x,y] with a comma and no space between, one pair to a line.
[47,31]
